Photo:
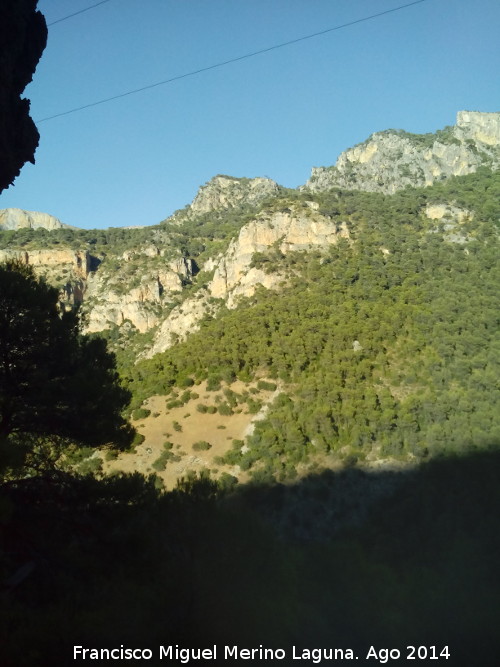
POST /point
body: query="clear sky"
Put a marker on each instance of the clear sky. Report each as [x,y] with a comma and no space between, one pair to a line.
[135,160]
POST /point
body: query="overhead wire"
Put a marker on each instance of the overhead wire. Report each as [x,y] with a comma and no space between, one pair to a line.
[228,62]
[81,11]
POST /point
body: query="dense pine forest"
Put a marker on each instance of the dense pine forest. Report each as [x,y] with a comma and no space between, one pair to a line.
[389,342]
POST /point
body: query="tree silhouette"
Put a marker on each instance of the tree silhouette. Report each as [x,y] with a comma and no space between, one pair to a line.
[53,381]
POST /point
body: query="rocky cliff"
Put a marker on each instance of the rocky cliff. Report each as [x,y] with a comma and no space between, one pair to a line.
[228,192]
[16,218]
[232,238]
[64,268]
[394,159]
[295,228]
[133,291]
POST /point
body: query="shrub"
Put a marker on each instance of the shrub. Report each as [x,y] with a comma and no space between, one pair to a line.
[213,383]
[263,385]
[138,439]
[140,413]
[161,462]
[227,482]
[90,466]
[253,406]
[185,382]
[201,445]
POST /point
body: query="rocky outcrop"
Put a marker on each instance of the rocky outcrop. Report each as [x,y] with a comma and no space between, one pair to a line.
[23,36]
[64,268]
[448,212]
[183,320]
[223,192]
[289,230]
[294,229]
[16,218]
[393,159]
[112,298]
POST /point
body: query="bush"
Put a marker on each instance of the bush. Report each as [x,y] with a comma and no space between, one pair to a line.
[138,439]
[225,409]
[263,385]
[201,445]
[185,382]
[161,462]
[227,482]
[140,413]
[213,383]
[253,406]
[90,466]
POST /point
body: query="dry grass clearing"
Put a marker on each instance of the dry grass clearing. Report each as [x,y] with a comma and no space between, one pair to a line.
[184,426]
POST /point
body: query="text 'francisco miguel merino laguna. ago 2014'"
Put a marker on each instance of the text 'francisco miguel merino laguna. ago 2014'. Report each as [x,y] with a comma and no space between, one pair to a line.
[314,655]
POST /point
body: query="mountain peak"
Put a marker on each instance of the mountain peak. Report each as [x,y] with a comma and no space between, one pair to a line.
[223,192]
[394,159]
[16,218]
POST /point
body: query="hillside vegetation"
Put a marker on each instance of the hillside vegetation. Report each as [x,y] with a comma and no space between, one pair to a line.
[389,344]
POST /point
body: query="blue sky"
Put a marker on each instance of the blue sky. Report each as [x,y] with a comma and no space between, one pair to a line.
[135,160]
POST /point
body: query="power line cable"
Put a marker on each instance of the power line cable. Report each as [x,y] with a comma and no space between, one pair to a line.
[228,62]
[81,11]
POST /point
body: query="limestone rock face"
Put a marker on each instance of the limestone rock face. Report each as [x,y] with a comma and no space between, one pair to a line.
[182,320]
[481,127]
[16,218]
[64,268]
[290,230]
[113,300]
[447,212]
[228,192]
[295,229]
[391,160]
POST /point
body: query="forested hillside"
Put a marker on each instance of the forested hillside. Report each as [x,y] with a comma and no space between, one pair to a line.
[388,343]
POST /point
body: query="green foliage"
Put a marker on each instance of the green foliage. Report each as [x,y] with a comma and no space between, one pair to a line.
[53,382]
[224,409]
[263,385]
[201,446]
[161,462]
[140,413]
[138,439]
[424,313]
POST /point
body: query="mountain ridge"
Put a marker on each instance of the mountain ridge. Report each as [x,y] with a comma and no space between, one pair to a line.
[393,159]
[150,283]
